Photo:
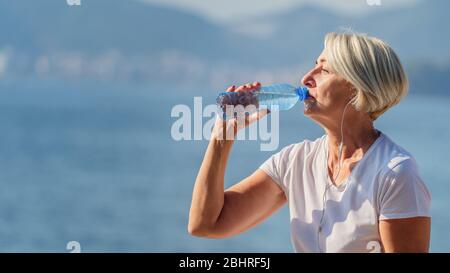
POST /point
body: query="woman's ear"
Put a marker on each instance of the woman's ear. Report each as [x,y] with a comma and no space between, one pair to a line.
[353,94]
[353,90]
[350,86]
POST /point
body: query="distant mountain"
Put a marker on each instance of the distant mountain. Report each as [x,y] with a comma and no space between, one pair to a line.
[429,79]
[130,26]
[419,32]
[132,40]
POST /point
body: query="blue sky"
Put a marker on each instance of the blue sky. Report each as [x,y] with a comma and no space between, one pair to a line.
[224,11]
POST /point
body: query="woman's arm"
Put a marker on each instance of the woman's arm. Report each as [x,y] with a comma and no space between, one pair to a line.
[405,235]
[404,210]
[217,213]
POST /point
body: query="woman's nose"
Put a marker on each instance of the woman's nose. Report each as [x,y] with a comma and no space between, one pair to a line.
[308,80]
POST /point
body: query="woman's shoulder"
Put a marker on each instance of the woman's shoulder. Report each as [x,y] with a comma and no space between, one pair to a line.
[291,155]
[393,154]
[401,192]
[305,146]
[395,161]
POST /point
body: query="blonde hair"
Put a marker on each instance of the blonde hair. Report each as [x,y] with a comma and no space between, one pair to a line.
[371,66]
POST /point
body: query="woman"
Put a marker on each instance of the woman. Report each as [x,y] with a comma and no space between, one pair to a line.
[351,190]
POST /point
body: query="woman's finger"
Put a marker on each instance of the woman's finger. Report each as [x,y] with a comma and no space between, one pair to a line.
[240,88]
[231,88]
[248,87]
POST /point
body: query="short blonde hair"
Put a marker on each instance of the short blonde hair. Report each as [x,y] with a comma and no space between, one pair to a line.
[371,66]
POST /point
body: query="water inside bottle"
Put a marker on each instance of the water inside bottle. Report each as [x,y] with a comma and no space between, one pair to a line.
[280,101]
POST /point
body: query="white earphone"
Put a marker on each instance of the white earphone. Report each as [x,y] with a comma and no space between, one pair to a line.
[339,170]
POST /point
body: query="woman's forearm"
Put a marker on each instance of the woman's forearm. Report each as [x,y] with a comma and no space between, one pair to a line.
[208,193]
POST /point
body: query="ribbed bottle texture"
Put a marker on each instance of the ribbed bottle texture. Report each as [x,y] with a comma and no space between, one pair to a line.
[278,96]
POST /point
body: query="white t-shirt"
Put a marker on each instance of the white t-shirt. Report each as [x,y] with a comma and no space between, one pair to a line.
[385,184]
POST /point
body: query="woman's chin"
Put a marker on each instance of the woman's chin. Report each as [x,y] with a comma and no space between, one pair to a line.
[309,106]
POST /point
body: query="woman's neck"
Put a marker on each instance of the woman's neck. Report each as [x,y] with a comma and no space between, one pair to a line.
[358,136]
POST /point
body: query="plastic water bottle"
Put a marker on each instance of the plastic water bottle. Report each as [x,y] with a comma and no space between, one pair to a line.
[278,96]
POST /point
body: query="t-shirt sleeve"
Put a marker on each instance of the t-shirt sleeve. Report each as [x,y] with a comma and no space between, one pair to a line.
[404,194]
[277,164]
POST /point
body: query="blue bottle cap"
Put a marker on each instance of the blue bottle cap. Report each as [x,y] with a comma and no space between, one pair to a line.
[302,92]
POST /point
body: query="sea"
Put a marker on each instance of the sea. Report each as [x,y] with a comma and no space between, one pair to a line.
[97,164]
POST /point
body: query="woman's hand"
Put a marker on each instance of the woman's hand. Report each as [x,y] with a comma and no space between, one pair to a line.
[227,129]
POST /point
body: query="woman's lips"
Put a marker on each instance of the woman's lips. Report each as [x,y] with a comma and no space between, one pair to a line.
[310,95]
[310,98]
